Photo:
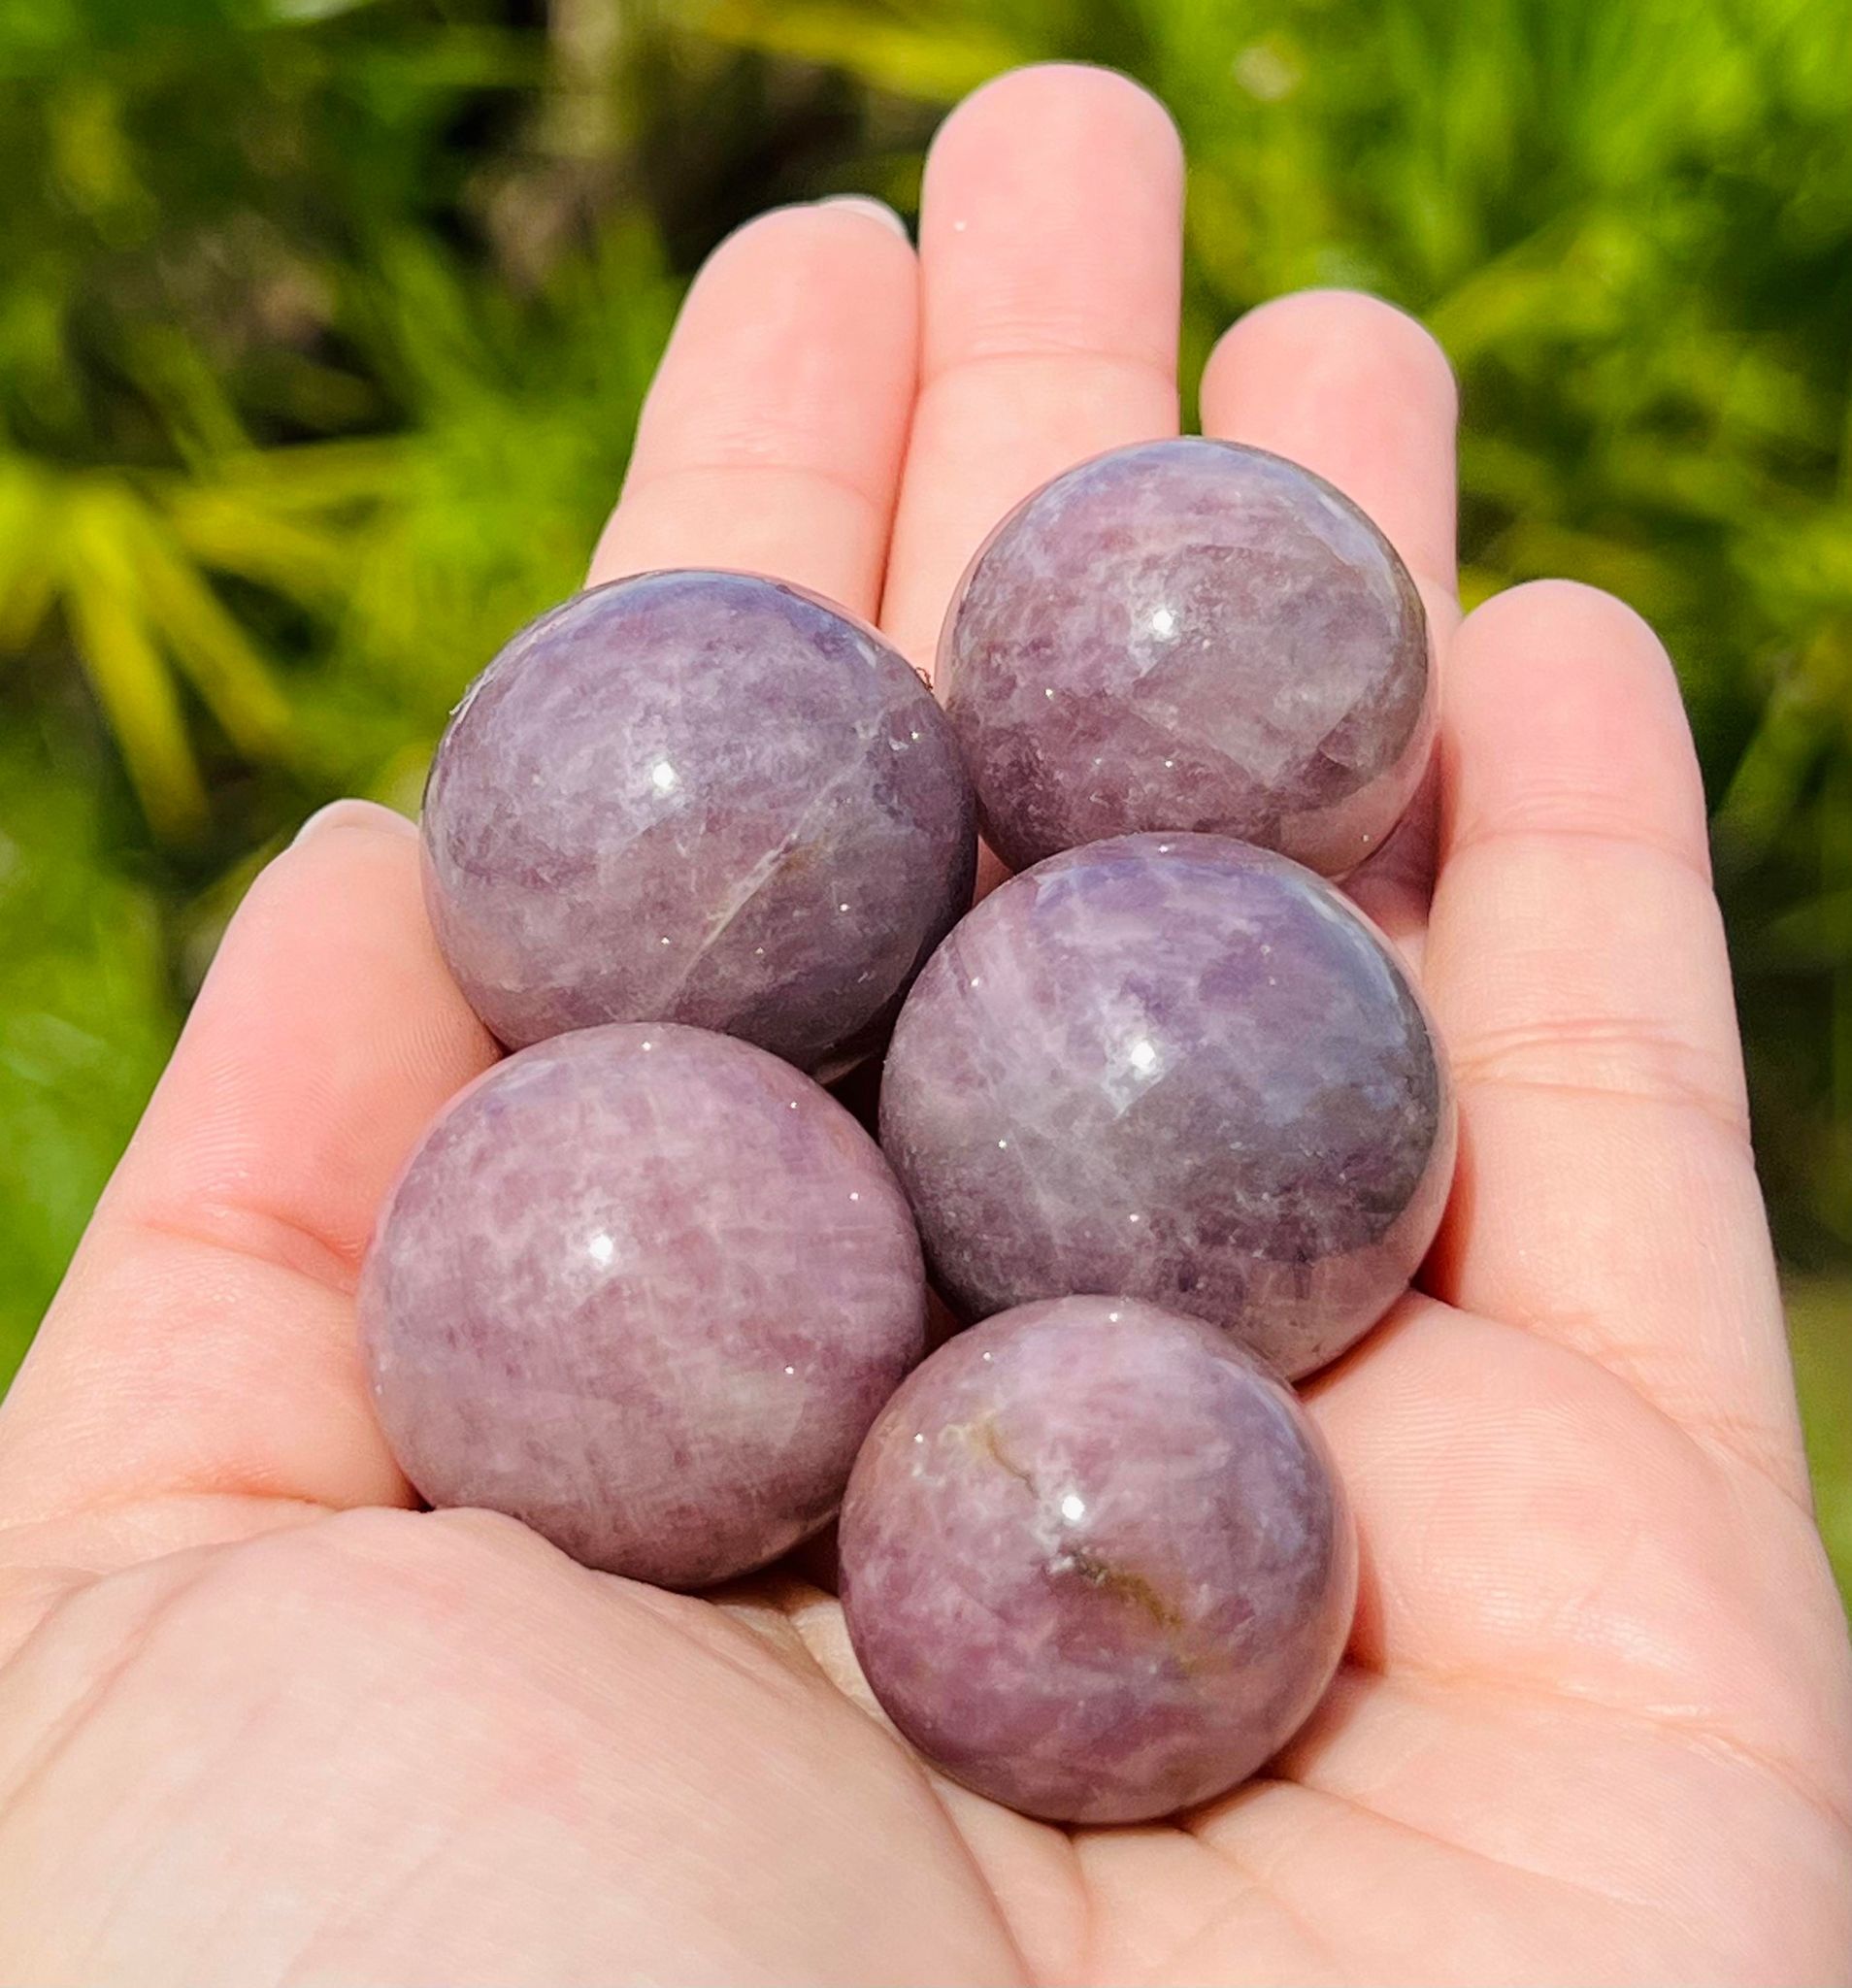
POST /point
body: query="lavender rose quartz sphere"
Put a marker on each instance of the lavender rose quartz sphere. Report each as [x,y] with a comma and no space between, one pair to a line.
[698,797]
[645,1288]
[1190,635]
[1094,1561]
[1178,1068]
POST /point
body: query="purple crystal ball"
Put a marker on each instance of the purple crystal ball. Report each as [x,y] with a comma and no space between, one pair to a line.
[644,1288]
[1094,1561]
[696,797]
[1190,635]
[1178,1068]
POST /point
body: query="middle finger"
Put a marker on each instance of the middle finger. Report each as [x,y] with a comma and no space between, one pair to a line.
[1051,234]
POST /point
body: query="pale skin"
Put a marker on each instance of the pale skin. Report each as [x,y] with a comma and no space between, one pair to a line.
[263,1721]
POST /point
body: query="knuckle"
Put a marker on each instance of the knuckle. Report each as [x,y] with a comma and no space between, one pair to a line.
[1645,1058]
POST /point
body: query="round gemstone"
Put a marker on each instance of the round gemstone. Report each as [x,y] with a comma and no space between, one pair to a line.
[644,1288]
[697,797]
[1094,1561]
[1190,634]
[1178,1068]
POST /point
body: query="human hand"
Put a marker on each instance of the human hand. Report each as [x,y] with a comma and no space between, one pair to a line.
[262,1721]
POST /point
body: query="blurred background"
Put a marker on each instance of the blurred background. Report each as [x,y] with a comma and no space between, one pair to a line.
[323,325]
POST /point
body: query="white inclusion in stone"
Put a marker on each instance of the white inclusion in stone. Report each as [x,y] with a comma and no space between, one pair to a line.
[842,907]
[1073,1507]
[1164,622]
[790,1369]
[662,775]
[601,1248]
[854,1196]
[1138,1065]
[1135,1218]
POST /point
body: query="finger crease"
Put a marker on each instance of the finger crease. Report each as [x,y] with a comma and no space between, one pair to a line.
[1538,824]
[1486,1070]
[262,1236]
[730,468]
[1680,1727]
[1139,365]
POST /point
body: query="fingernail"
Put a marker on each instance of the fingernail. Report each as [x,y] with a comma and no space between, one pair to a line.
[351,814]
[875,210]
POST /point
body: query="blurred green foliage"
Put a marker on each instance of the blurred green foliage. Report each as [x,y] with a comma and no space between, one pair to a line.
[324,325]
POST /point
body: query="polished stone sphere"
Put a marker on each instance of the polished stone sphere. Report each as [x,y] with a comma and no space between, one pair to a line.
[1190,634]
[697,797]
[645,1288]
[1094,1561]
[1180,1069]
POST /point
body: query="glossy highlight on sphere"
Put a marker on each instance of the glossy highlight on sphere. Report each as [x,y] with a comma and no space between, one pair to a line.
[1178,1068]
[1095,1563]
[697,797]
[1190,634]
[644,1288]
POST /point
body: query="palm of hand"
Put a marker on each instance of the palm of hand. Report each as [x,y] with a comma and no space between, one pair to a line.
[257,1721]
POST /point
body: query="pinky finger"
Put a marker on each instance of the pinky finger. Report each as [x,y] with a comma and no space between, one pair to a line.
[1576,962]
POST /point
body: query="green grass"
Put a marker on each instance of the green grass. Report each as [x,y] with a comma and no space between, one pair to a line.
[325,325]
[1820,1331]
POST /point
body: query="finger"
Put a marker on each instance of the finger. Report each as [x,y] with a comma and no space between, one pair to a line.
[1050,247]
[1552,1575]
[772,439]
[203,1338]
[1535,1532]
[1577,964]
[1359,393]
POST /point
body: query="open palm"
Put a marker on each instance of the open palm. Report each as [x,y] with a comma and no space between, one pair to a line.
[261,1721]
